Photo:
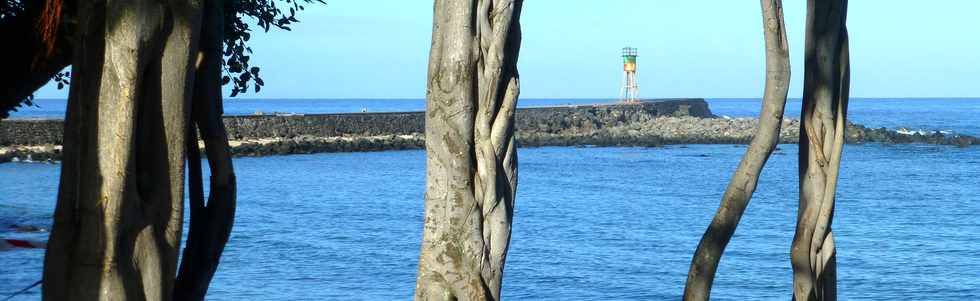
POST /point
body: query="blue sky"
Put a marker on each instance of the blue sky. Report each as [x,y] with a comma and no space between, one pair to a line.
[694,48]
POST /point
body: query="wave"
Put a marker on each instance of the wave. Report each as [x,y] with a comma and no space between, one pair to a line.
[907,131]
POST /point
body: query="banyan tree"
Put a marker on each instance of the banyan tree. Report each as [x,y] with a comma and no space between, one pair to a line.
[823,121]
[471,158]
[146,80]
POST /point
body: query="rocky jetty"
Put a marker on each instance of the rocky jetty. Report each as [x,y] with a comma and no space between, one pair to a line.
[693,130]
[676,121]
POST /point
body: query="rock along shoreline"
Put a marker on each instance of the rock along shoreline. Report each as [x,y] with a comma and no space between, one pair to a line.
[647,124]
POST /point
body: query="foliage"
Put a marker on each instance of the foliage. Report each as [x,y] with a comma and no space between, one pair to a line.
[10,8]
[266,15]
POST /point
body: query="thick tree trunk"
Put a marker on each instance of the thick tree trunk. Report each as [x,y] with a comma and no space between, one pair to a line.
[746,177]
[79,126]
[119,213]
[824,116]
[471,159]
[210,224]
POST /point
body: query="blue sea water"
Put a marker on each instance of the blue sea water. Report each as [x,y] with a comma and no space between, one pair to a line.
[590,223]
[957,115]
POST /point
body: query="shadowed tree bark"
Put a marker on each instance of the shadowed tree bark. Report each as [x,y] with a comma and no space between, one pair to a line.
[118,218]
[825,95]
[210,225]
[128,124]
[471,162]
[746,177]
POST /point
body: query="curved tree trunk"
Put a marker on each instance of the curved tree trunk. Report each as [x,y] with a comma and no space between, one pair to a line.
[210,225]
[746,177]
[471,160]
[120,204]
[824,116]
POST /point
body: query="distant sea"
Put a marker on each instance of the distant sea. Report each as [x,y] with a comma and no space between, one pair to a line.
[591,223]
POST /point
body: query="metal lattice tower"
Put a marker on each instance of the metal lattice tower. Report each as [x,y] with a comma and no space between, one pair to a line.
[630,91]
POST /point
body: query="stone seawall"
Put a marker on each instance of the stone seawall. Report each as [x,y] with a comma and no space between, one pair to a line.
[674,121]
[541,119]
[31,132]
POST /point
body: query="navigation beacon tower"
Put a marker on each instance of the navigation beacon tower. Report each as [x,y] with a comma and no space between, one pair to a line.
[630,91]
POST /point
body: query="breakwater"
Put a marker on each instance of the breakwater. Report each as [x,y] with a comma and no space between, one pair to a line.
[542,119]
[650,123]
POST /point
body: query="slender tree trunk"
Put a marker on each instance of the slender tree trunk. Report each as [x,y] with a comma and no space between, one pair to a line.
[119,213]
[210,225]
[746,177]
[471,160]
[824,116]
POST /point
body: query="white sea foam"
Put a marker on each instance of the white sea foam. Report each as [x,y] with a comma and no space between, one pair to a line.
[907,131]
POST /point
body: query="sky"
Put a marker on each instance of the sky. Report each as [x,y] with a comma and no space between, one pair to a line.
[571,49]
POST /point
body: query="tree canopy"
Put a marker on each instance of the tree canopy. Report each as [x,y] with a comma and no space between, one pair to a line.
[238,71]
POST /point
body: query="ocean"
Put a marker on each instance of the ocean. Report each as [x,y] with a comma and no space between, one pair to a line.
[591,223]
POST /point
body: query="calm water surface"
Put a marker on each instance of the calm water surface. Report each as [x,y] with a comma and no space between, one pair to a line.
[591,223]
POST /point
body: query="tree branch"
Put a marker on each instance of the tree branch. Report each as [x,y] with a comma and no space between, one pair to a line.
[743,183]
[210,224]
[30,65]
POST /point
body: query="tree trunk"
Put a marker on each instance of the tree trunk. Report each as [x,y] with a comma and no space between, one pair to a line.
[210,225]
[120,204]
[824,116]
[746,177]
[471,160]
